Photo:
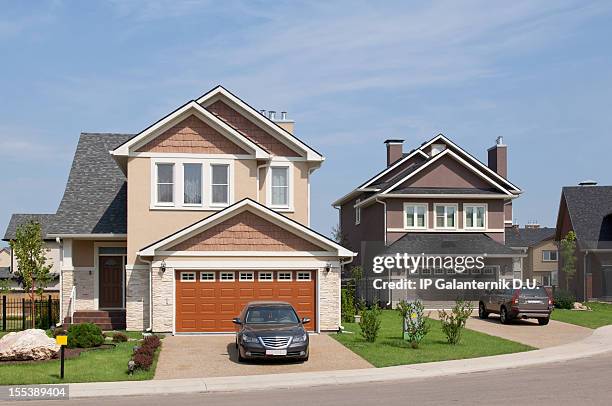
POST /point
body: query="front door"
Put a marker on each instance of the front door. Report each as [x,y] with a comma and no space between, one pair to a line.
[111,282]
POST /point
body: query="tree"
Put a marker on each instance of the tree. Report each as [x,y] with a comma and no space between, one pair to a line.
[568,256]
[338,235]
[32,269]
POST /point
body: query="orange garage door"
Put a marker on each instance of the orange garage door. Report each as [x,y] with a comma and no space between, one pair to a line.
[207,301]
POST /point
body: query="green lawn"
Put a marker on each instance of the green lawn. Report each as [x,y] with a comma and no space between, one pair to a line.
[90,366]
[390,349]
[600,316]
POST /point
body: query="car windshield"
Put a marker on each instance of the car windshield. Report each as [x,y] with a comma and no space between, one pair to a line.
[535,292]
[271,315]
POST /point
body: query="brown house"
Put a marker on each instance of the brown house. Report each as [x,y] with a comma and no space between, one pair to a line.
[539,244]
[436,199]
[587,210]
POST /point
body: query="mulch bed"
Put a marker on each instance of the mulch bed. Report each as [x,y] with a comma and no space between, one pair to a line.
[68,353]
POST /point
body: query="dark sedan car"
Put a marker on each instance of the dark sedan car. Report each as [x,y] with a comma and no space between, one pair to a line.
[271,330]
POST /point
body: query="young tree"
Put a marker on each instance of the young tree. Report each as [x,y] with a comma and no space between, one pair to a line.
[33,272]
[567,248]
[338,236]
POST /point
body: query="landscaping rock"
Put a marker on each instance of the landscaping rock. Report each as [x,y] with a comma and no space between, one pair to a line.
[30,344]
[580,306]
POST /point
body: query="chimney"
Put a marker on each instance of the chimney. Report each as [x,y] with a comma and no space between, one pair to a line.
[534,225]
[394,150]
[283,122]
[498,157]
[588,182]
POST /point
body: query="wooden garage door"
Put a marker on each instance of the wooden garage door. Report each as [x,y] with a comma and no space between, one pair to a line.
[207,301]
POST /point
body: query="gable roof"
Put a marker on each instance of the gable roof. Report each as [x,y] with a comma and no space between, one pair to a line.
[590,211]
[239,207]
[19,219]
[527,236]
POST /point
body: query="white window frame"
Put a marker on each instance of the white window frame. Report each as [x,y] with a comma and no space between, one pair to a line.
[289,206]
[207,273]
[155,190]
[550,260]
[202,188]
[251,275]
[416,205]
[229,185]
[260,273]
[485,220]
[426,271]
[279,279]
[188,273]
[357,212]
[299,273]
[222,273]
[476,271]
[438,271]
[435,215]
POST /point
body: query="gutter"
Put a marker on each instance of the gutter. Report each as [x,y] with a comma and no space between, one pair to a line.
[584,272]
[384,219]
[61,278]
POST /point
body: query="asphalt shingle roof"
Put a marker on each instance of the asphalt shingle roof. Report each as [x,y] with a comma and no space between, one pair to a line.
[18,219]
[527,237]
[448,244]
[590,210]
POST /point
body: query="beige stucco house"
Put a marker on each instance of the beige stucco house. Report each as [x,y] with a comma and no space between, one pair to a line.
[176,228]
[541,262]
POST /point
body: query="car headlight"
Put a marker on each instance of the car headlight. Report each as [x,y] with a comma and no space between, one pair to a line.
[300,338]
[249,339]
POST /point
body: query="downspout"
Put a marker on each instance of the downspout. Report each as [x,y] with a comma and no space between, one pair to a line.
[58,240]
[385,239]
[584,278]
[150,294]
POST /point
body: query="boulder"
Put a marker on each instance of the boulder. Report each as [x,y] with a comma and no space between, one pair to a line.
[25,345]
[580,306]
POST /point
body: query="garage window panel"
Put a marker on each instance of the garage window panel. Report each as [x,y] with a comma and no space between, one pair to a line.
[247,277]
[207,276]
[227,277]
[188,276]
[265,276]
[303,276]
[284,276]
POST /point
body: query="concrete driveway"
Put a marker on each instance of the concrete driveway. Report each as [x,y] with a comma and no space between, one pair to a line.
[215,355]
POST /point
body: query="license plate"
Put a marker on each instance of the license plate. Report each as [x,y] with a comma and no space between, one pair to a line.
[534,301]
[276,352]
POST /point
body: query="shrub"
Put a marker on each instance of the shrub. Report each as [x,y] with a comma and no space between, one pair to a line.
[152,342]
[564,299]
[347,306]
[454,322]
[119,338]
[85,335]
[370,323]
[415,324]
[143,360]
[59,331]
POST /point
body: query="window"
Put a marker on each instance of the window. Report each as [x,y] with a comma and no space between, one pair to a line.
[280,186]
[426,271]
[192,184]
[546,280]
[227,277]
[246,277]
[357,212]
[476,271]
[303,276]
[188,277]
[549,256]
[165,183]
[438,271]
[489,270]
[474,216]
[265,276]
[415,215]
[220,184]
[284,276]
[446,216]
[207,276]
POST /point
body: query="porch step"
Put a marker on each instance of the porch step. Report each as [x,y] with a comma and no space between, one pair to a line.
[105,319]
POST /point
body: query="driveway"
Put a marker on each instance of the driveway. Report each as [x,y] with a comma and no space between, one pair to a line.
[215,355]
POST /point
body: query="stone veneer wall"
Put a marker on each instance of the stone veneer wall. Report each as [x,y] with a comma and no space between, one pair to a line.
[83,279]
[163,305]
[137,299]
[329,299]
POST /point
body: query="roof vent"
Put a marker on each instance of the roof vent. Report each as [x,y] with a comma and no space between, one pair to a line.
[499,140]
[263,112]
[272,115]
[283,115]
[588,182]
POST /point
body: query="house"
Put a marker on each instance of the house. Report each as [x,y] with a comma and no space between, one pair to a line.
[436,199]
[587,210]
[176,228]
[5,257]
[539,244]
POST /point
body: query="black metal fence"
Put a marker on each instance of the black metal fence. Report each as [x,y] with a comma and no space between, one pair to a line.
[17,313]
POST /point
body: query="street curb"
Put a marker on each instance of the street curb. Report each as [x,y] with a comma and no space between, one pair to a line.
[598,343]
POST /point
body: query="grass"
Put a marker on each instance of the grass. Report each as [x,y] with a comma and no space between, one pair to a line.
[90,366]
[390,349]
[600,316]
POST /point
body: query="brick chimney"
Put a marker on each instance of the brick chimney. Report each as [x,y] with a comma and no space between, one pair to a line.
[498,157]
[395,149]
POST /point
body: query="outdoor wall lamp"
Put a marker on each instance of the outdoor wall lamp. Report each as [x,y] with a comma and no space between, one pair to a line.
[162,266]
[328,267]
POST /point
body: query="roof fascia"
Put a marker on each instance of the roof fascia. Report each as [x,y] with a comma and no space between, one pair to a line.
[390,168]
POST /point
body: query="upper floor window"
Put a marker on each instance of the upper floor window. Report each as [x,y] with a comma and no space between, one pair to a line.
[165,183]
[357,211]
[415,215]
[192,184]
[220,184]
[548,255]
[280,186]
[474,216]
[446,216]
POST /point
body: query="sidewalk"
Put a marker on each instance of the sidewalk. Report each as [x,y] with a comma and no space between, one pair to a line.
[599,342]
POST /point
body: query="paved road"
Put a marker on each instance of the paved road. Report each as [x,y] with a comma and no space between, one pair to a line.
[585,381]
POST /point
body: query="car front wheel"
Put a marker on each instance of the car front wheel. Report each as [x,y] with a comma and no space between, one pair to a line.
[503,316]
[543,322]
[482,312]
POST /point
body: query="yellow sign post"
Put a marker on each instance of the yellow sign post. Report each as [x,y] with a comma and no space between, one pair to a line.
[62,341]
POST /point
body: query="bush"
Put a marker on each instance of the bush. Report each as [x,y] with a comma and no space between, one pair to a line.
[370,323]
[119,338]
[564,299]
[415,324]
[347,306]
[85,335]
[152,342]
[59,331]
[143,360]
[454,322]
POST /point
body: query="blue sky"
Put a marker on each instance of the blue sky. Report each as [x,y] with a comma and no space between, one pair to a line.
[350,73]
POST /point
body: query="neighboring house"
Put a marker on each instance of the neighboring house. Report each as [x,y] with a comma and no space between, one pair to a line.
[435,200]
[587,210]
[539,244]
[5,257]
[176,228]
